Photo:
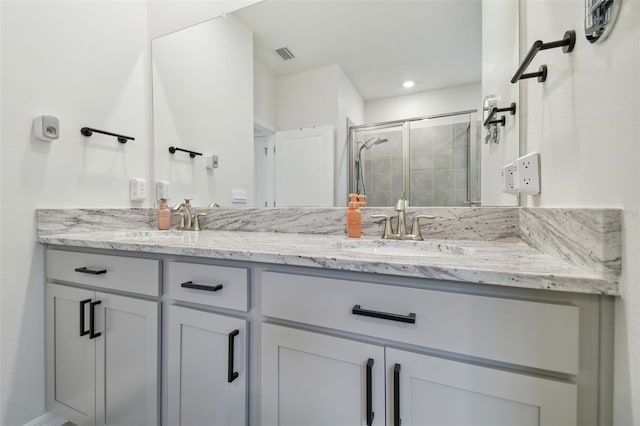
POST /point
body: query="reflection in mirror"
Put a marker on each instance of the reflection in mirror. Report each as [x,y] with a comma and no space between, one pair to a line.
[430,161]
[224,87]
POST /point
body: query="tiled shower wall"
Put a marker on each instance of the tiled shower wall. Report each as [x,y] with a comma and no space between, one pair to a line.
[438,157]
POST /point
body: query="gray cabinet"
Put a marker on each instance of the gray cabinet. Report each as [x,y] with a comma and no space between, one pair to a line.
[102,348]
[102,357]
[448,358]
[429,391]
[207,361]
[326,348]
[331,380]
[206,352]
[307,375]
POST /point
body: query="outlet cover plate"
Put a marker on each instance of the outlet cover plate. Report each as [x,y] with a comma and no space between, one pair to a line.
[506,178]
[526,174]
[162,189]
[137,189]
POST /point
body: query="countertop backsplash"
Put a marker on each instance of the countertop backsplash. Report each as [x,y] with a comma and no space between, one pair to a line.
[589,238]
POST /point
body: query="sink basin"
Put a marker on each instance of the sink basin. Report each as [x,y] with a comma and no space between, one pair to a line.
[157,237]
[403,248]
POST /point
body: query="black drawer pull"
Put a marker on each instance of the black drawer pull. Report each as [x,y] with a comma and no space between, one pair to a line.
[85,270]
[190,284]
[411,318]
[396,395]
[83,332]
[232,375]
[370,413]
[92,320]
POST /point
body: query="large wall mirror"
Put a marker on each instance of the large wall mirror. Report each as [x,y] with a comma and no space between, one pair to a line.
[298,103]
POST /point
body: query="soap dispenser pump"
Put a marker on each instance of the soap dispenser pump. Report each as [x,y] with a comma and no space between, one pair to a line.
[354,218]
[164,215]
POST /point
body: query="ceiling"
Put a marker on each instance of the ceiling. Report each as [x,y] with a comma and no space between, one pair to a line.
[379,44]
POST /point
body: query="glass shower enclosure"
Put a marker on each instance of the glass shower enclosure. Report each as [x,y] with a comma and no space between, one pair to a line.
[429,161]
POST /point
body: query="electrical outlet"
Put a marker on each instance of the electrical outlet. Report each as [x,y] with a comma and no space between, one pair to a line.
[162,189]
[506,178]
[526,174]
[137,189]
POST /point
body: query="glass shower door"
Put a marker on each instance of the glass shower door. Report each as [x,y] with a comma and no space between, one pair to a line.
[429,161]
[378,156]
[439,161]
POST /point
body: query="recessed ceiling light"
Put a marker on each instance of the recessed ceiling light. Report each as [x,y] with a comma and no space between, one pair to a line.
[408,84]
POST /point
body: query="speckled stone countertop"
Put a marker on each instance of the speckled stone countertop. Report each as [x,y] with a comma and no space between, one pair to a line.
[505,262]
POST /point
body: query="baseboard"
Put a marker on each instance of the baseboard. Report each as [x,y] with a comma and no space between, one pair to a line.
[47,419]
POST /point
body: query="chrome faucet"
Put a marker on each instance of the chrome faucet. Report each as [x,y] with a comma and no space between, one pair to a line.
[188,220]
[401,234]
[183,209]
[401,205]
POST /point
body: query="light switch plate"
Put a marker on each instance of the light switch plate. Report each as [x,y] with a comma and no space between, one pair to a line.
[239,196]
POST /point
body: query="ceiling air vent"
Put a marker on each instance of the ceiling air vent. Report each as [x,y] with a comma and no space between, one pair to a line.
[285,53]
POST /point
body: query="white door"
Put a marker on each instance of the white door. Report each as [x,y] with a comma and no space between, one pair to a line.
[263,142]
[127,354]
[207,369]
[314,379]
[70,354]
[304,167]
[425,391]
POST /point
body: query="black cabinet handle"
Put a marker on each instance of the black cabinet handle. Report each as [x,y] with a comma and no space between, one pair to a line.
[92,320]
[411,318]
[396,395]
[85,270]
[83,303]
[370,413]
[190,284]
[232,375]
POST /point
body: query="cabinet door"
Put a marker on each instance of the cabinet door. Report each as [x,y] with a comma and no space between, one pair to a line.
[70,354]
[314,379]
[425,391]
[207,369]
[127,367]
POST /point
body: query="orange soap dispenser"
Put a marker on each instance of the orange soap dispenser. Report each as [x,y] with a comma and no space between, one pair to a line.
[354,218]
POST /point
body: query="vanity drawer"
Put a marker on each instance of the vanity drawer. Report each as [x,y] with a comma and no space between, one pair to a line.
[539,335]
[105,271]
[221,286]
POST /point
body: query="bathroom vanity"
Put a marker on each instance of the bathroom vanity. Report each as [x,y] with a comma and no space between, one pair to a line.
[262,328]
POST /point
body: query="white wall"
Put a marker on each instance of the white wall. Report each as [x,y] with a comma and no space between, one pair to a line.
[265,88]
[308,98]
[584,122]
[451,99]
[87,63]
[166,16]
[203,102]
[500,60]
[350,106]
[1,316]
[318,97]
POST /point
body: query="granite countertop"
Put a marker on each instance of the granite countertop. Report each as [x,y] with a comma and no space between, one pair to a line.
[506,262]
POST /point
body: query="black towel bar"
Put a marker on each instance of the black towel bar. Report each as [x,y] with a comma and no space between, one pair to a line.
[88,131]
[511,108]
[192,154]
[567,43]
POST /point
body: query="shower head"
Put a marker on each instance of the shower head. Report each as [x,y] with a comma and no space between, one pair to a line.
[368,144]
